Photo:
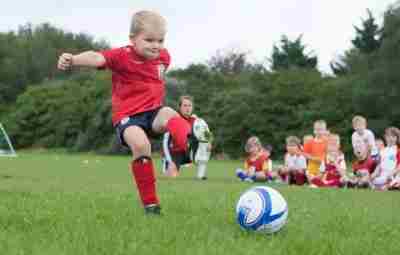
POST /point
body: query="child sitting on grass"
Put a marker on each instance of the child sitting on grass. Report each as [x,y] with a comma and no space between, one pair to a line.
[294,169]
[363,166]
[386,169]
[395,182]
[363,134]
[315,150]
[256,165]
[333,168]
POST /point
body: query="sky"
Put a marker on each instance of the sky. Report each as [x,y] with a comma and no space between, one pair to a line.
[198,29]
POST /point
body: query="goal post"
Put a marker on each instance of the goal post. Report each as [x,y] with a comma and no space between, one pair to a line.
[6,148]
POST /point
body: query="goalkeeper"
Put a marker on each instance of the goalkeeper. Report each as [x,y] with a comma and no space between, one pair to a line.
[199,144]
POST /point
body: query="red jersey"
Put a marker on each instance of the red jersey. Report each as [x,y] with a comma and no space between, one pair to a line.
[260,163]
[137,83]
[367,164]
[331,163]
[331,172]
[190,120]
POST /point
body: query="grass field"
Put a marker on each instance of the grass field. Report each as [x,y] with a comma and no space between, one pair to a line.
[85,204]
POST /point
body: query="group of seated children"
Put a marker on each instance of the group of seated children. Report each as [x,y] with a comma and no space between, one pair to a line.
[321,163]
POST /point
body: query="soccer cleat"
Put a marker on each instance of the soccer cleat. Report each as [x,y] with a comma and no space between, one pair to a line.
[152,210]
[241,174]
[248,179]
[204,178]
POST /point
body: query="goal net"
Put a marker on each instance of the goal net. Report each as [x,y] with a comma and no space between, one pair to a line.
[6,148]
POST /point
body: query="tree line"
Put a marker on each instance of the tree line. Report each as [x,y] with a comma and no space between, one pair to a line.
[42,107]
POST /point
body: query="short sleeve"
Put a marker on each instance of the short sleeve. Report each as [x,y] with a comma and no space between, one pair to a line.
[246,166]
[112,57]
[371,137]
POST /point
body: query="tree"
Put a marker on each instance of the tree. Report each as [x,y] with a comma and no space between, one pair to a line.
[291,54]
[229,62]
[29,56]
[368,40]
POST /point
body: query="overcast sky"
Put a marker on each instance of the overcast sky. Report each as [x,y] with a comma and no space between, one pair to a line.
[197,29]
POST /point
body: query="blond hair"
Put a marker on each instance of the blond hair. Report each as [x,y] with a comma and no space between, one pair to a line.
[359,119]
[253,139]
[293,141]
[320,122]
[146,21]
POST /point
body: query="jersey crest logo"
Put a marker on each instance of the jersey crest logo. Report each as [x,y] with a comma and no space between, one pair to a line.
[124,121]
[161,71]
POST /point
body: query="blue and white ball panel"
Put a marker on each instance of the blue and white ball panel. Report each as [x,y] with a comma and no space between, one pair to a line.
[250,208]
[262,209]
[279,211]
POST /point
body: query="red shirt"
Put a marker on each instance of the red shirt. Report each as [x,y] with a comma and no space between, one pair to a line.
[367,164]
[189,119]
[137,83]
[331,172]
[258,163]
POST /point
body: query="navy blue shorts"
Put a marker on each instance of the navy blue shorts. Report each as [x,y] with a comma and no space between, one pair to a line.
[179,159]
[143,120]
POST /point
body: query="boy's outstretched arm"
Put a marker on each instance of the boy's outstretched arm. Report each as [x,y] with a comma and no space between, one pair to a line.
[87,58]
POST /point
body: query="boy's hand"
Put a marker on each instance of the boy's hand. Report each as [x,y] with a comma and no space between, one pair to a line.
[65,61]
[252,170]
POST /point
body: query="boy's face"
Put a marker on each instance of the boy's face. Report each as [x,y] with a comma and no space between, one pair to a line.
[292,149]
[149,43]
[361,150]
[359,127]
[333,145]
[253,147]
[320,130]
[186,108]
[390,139]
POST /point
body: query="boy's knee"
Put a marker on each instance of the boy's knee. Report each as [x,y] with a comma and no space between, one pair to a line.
[140,149]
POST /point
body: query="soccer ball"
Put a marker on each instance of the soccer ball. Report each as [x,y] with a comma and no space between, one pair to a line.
[262,209]
[201,130]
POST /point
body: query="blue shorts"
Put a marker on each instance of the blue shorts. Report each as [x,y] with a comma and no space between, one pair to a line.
[143,120]
[179,159]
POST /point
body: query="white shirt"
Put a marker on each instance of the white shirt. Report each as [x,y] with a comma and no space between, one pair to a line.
[368,138]
[388,161]
[296,162]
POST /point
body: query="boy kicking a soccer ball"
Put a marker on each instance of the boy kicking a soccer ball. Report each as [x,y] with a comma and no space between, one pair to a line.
[137,95]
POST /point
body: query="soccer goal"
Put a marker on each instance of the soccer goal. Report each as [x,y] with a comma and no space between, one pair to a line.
[6,148]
